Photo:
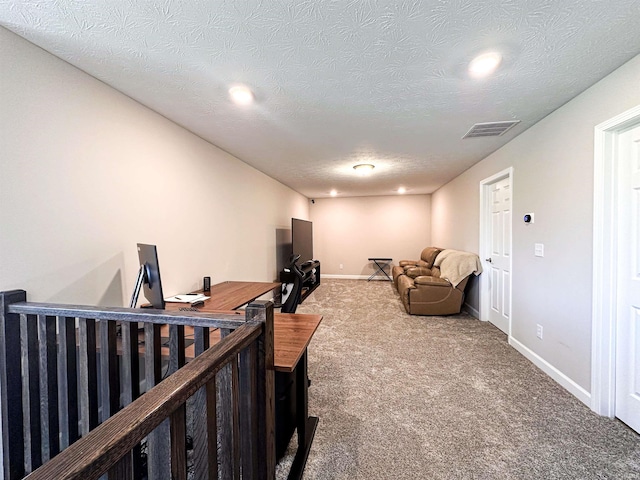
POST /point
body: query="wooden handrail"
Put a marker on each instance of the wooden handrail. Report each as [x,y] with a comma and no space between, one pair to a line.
[102,448]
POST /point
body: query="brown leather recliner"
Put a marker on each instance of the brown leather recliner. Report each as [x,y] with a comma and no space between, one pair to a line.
[417,267]
[423,288]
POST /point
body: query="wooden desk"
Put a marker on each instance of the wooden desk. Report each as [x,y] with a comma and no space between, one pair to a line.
[292,333]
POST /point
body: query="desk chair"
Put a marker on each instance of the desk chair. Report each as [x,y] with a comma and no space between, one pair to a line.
[292,301]
[286,382]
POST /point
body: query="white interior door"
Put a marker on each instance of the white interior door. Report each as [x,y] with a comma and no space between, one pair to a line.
[498,252]
[628,311]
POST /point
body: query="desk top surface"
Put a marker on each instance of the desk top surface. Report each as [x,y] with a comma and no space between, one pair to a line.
[231,295]
[292,332]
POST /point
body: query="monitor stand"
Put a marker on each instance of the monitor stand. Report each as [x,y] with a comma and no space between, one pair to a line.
[142,277]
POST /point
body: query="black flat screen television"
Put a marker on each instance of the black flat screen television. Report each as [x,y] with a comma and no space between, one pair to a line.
[302,239]
[148,277]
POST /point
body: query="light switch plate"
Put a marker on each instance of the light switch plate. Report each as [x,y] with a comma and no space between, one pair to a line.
[539,250]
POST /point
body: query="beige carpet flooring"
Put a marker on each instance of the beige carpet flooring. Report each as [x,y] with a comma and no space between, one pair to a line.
[410,397]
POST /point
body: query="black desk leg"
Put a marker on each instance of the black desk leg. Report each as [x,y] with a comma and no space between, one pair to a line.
[306,425]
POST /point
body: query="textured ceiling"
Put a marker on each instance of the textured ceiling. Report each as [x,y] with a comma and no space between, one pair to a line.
[340,82]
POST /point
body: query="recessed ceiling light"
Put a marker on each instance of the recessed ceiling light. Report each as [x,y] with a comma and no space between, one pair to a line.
[402,190]
[241,95]
[333,193]
[484,64]
[364,168]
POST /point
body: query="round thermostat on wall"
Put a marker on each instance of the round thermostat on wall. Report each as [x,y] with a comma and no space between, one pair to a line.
[528,218]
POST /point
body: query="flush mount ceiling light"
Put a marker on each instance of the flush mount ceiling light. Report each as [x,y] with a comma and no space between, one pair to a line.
[333,193]
[402,190]
[241,95]
[485,64]
[364,169]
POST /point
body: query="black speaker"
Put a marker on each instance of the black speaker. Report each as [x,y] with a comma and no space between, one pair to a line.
[206,284]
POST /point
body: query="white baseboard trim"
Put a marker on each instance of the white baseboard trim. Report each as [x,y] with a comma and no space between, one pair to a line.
[470,310]
[351,277]
[571,386]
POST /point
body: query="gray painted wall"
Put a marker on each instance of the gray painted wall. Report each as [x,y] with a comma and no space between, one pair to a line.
[553,177]
[87,173]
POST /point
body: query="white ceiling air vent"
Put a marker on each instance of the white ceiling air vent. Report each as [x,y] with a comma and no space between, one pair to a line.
[490,129]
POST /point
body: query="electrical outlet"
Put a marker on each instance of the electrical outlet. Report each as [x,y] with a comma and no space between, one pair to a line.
[539,331]
[340,266]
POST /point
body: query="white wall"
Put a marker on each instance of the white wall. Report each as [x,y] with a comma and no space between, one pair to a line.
[348,231]
[86,173]
[553,177]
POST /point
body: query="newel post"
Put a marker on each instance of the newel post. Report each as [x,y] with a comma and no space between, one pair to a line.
[11,386]
[263,311]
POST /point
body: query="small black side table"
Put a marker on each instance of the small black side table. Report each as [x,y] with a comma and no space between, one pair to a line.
[381,263]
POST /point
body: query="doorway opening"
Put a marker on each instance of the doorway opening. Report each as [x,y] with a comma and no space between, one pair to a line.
[607,226]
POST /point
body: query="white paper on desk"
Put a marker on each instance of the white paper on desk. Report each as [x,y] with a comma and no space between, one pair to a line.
[186,298]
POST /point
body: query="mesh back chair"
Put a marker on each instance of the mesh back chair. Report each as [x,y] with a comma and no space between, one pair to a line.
[290,305]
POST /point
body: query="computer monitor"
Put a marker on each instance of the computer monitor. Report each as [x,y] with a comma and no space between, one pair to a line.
[149,277]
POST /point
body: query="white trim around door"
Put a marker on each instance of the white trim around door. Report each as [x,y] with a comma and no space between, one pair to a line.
[605,260]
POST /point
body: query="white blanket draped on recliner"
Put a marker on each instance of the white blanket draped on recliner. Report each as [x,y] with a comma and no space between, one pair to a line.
[456,265]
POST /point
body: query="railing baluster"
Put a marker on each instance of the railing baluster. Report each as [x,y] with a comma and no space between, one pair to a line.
[114,373]
[235,404]
[31,392]
[68,382]
[11,386]
[201,340]
[226,425]
[52,385]
[158,448]
[130,362]
[123,470]
[131,379]
[110,393]
[176,348]
[72,378]
[152,355]
[88,376]
[48,386]
[199,420]
[212,428]
[178,419]
[43,351]
[249,411]
[178,444]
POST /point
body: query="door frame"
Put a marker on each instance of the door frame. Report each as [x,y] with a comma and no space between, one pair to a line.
[485,242]
[605,260]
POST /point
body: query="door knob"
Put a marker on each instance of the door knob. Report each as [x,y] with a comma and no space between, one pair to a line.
[489,260]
